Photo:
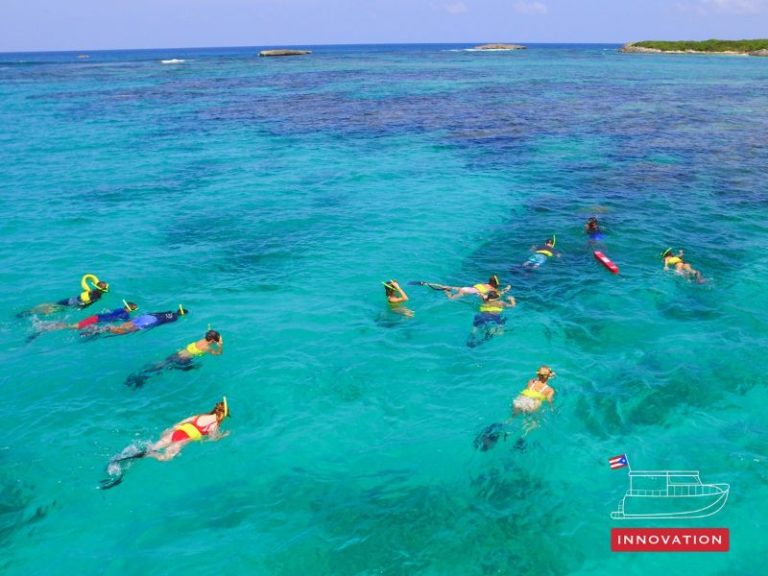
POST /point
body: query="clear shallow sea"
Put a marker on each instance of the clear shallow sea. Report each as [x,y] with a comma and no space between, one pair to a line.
[271,197]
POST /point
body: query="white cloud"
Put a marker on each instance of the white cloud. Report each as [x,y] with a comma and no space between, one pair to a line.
[528,7]
[455,8]
[709,7]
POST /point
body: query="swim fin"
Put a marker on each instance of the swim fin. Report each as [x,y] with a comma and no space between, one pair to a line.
[130,453]
[108,483]
[489,436]
[431,285]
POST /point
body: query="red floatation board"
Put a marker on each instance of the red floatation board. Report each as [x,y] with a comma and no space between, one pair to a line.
[607,262]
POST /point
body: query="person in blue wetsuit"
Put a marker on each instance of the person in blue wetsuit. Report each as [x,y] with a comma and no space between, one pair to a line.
[489,321]
[592,229]
[143,322]
[541,254]
[117,315]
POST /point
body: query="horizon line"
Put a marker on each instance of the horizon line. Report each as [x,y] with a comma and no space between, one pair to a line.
[265,46]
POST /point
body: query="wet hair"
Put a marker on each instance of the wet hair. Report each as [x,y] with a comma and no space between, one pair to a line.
[491,295]
[543,367]
[212,336]
[494,281]
[102,286]
[132,306]
[389,290]
[220,409]
[549,242]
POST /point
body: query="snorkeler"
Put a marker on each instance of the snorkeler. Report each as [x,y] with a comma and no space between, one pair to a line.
[212,343]
[143,322]
[479,289]
[118,314]
[679,265]
[489,321]
[170,443]
[93,290]
[527,402]
[541,254]
[592,229]
[459,291]
[396,296]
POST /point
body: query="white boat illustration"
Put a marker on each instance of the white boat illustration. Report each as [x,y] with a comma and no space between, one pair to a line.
[670,494]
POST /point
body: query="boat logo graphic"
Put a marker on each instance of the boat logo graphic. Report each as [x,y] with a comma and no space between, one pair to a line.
[667,494]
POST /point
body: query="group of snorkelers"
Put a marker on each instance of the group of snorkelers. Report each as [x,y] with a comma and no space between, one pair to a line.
[120,321]
[489,321]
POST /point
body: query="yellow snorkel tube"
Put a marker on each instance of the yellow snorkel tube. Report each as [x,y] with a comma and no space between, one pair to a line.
[666,252]
[554,240]
[226,406]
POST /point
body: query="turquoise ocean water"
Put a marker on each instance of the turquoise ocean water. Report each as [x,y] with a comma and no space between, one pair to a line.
[271,197]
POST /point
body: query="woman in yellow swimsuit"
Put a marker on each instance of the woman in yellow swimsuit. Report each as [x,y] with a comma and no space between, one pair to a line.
[528,402]
[679,265]
[212,343]
[396,297]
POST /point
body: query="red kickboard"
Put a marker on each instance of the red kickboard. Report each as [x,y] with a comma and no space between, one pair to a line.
[607,262]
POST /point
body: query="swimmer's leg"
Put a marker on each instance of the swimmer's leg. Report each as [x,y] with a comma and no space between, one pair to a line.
[489,436]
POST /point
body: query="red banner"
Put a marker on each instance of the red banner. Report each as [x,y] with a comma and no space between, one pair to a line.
[670,539]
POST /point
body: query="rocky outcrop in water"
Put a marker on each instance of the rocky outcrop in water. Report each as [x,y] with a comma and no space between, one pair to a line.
[500,47]
[630,47]
[284,52]
[763,52]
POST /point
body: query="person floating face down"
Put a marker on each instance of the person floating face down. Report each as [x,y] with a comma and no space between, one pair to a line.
[677,263]
[143,322]
[86,298]
[195,428]
[212,343]
[480,289]
[489,320]
[541,254]
[527,403]
[117,315]
[396,297]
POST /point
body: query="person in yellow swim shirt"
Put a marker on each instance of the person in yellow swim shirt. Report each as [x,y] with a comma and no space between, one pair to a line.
[212,343]
[198,427]
[527,402]
[679,265]
[396,297]
[489,319]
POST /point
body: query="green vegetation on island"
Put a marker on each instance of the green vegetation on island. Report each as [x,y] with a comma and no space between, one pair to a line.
[707,45]
[756,47]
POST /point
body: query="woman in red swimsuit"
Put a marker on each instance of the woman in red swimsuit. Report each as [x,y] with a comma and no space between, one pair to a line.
[193,428]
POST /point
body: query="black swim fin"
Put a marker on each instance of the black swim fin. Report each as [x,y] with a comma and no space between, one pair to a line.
[127,454]
[433,286]
[108,483]
[489,436]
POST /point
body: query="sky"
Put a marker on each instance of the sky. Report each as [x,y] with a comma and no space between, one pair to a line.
[50,25]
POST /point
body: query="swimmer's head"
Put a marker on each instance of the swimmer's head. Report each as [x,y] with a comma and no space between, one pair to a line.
[182,311]
[130,306]
[221,410]
[545,372]
[494,281]
[389,288]
[666,252]
[102,286]
[549,242]
[491,295]
[212,336]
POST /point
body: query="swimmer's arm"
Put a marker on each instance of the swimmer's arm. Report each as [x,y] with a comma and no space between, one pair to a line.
[216,436]
[218,348]
[511,302]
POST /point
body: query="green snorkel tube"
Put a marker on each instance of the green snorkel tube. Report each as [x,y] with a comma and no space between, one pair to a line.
[666,252]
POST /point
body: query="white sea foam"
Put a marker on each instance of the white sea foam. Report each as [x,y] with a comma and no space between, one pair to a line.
[173,61]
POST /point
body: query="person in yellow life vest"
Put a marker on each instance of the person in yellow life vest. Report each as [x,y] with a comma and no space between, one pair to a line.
[489,321]
[93,290]
[478,289]
[172,440]
[535,393]
[212,343]
[679,265]
[396,296]
[541,254]
[198,427]
[527,402]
